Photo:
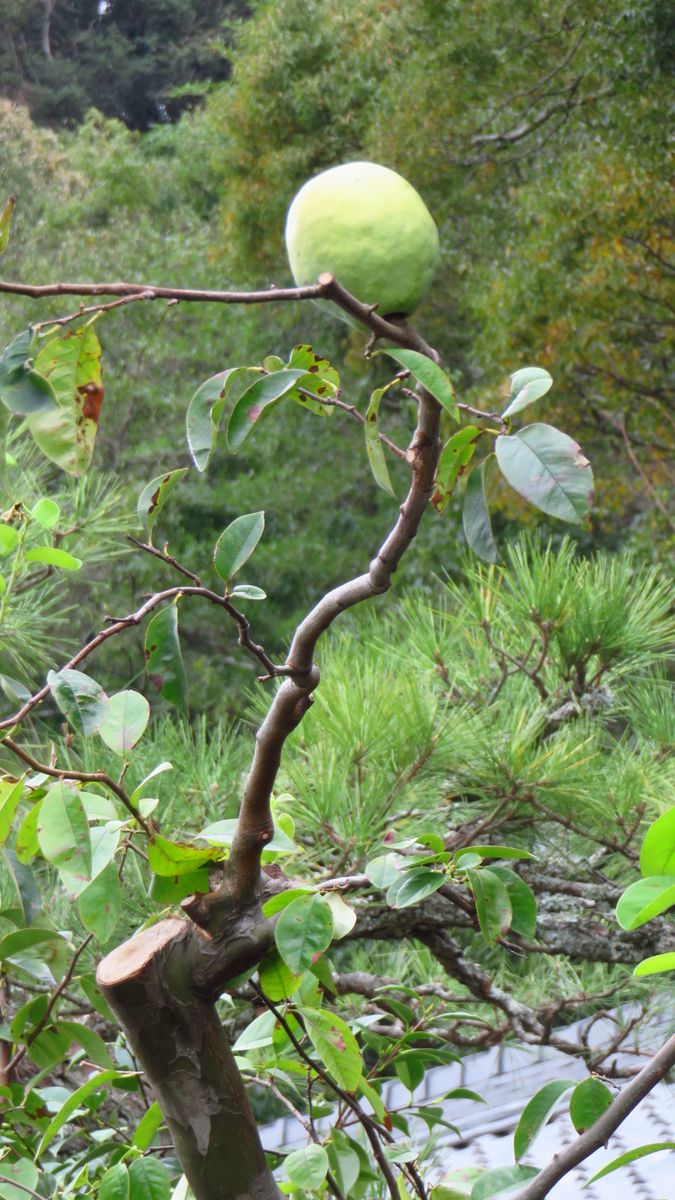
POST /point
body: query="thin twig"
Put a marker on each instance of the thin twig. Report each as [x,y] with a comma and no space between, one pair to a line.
[95,308]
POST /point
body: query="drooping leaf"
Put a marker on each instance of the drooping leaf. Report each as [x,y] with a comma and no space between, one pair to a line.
[455,456]
[73,1102]
[53,556]
[46,512]
[307,1168]
[336,1046]
[536,1113]
[589,1100]
[6,222]
[174,858]
[523,902]
[206,409]
[493,906]
[23,389]
[27,844]
[378,464]
[237,543]
[657,855]
[114,1184]
[632,1156]
[126,720]
[527,385]
[63,831]
[25,939]
[155,495]
[163,659]
[81,699]
[344,916]
[410,1066]
[304,930]
[656,964]
[547,468]
[644,899]
[27,890]
[10,795]
[499,1179]
[476,515]
[429,374]
[72,364]
[259,398]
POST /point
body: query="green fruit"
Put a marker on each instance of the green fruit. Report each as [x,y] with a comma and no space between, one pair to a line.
[370,229]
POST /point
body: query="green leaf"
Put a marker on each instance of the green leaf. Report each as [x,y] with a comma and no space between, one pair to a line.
[247,591]
[148,1180]
[148,1126]
[155,495]
[26,939]
[6,222]
[629,1157]
[282,900]
[27,890]
[336,1046]
[81,700]
[644,899]
[27,844]
[23,1173]
[276,978]
[72,364]
[257,400]
[114,1184]
[429,374]
[656,964]
[457,1184]
[63,831]
[344,917]
[413,886]
[126,721]
[104,842]
[536,1113]
[304,930]
[93,1045]
[547,468]
[167,890]
[527,385]
[476,515]
[496,852]
[46,512]
[493,906]
[100,904]
[256,1035]
[237,543]
[10,795]
[455,456]
[523,902]
[74,1101]
[205,411]
[163,660]
[321,379]
[53,557]
[174,858]
[589,1100]
[307,1168]
[9,538]
[410,1066]
[383,870]
[24,390]
[374,449]
[462,1093]
[657,855]
[500,1179]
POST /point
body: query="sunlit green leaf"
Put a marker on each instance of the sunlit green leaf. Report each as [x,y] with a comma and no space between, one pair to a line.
[656,964]
[455,456]
[148,1180]
[657,855]
[53,556]
[644,899]
[336,1046]
[46,512]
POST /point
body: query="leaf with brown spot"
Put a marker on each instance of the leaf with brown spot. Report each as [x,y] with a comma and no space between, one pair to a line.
[72,365]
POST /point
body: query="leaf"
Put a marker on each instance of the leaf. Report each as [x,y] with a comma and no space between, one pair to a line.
[205,411]
[410,1066]
[657,855]
[53,557]
[27,890]
[383,871]
[9,539]
[74,1101]
[413,886]
[258,399]
[336,1046]
[72,364]
[656,964]
[527,385]
[374,449]
[536,1113]
[344,917]
[23,1173]
[493,906]
[631,1156]
[93,1045]
[147,1127]
[126,721]
[547,468]
[63,831]
[174,858]
[104,842]
[455,456]
[10,795]
[155,495]
[27,844]
[429,374]
[589,1100]
[100,904]
[25,939]
[276,978]
[457,1184]
[237,543]
[167,890]
[24,390]
[148,1180]
[81,700]
[644,899]
[523,903]
[500,1179]
[114,1184]
[321,379]
[497,852]
[304,930]
[476,515]
[247,591]
[46,512]
[163,660]
[307,1168]
[5,224]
